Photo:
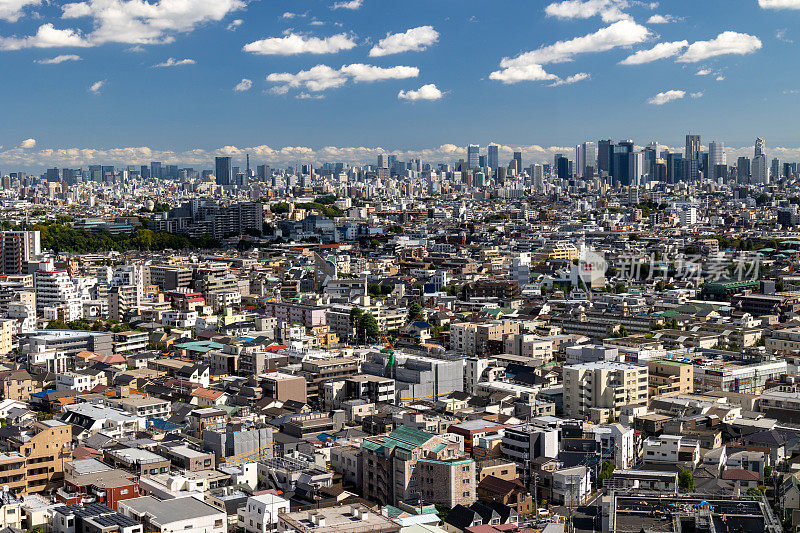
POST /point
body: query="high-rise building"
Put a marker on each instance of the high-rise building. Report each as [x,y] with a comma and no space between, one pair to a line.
[224,171]
[743,169]
[580,160]
[56,296]
[561,164]
[518,159]
[155,170]
[589,159]
[621,162]
[636,168]
[775,169]
[472,156]
[493,156]
[611,386]
[382,161]
[692,156]
[759,148]
[759,171]
[716,158]
[18,248]
[605,156]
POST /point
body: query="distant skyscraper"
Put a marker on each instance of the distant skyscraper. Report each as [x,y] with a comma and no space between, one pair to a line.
[759,148]
[605,156]
[472,156]
[716,158]
[224,171]
[562,167]
[580,160]
[758,170]
[621,162]
[743,170]
[589,159]
[493,156]
[775,169]
[692,156]
[155,170]
[518,159]
[636,168]
[382,161]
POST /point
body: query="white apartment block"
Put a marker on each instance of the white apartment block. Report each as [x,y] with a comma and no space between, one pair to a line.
[599,390]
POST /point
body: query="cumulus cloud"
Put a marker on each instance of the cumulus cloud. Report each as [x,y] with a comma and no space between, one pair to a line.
[661,19]
[703,72]
[292,44]
[609,10]
[97,86]
[28,144]
[726,43]
[47,36]
[234,24]
[309,96]
[172,62]
[659,51]
[244,85]
[528,66]
[412,40]
[58,59]
[426,92]
[12,10]
[666,97]
[569,80]
[322,77]
[698,94]
[138,22]
[781,36]
[351,4]
[779,4]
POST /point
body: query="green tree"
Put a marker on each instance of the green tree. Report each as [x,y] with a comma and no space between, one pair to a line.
[607,471]
[414,311]
[367,328]
[686,480]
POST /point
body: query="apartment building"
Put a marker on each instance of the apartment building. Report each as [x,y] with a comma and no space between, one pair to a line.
[669,377]
[598,390]
[318,371]
[672,449]
[473,339]
[17,248]
[409,464]
[284,387]
[45,449]
[522,444]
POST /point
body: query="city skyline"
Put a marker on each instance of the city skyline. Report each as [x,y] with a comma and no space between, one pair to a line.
[366,78]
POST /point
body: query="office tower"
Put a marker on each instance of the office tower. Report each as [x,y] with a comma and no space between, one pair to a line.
[562,167]
[382,161]
[264,172]
[482,161]
[18,248]
[472,156]
[518,159]
[758,170]
[247,171]
[155,170]
[674,167]
[580,160]
[621,162]
[775,169]
[759,148]
[650,155]
[537,175]
[144,172]
[391,161]
[493,156]
[605,156]
[636,168]
[743,170]
[716,158]
[692,156]
[224,171]
[589,159]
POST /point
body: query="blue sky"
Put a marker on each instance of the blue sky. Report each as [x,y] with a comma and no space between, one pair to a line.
[322,85]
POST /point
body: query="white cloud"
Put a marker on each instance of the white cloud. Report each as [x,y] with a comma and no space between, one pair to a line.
[244,85]
[58,59]
[97,86]
[351,4]
[609,10]
[426,92]
[293,44]
[528,66]
[698,94]
[412,40]
[136,49]
[661,19]
[234,25]
[779,4]
[140,22]
[720,78]
[665,97]
[290,15]
[703,72]
[308,96]
[172,62]
[323,77]
[12,10]
[569,80]
[47,36]
[781,36]
[659,51]
[28,144]
[728,42]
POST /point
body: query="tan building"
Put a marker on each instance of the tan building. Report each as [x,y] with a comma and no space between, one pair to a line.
[473,338]
[669,377]
[319,371]
[499,468]
[8,327]
[18,385]
[598,390]
[45,448]
[284,387]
